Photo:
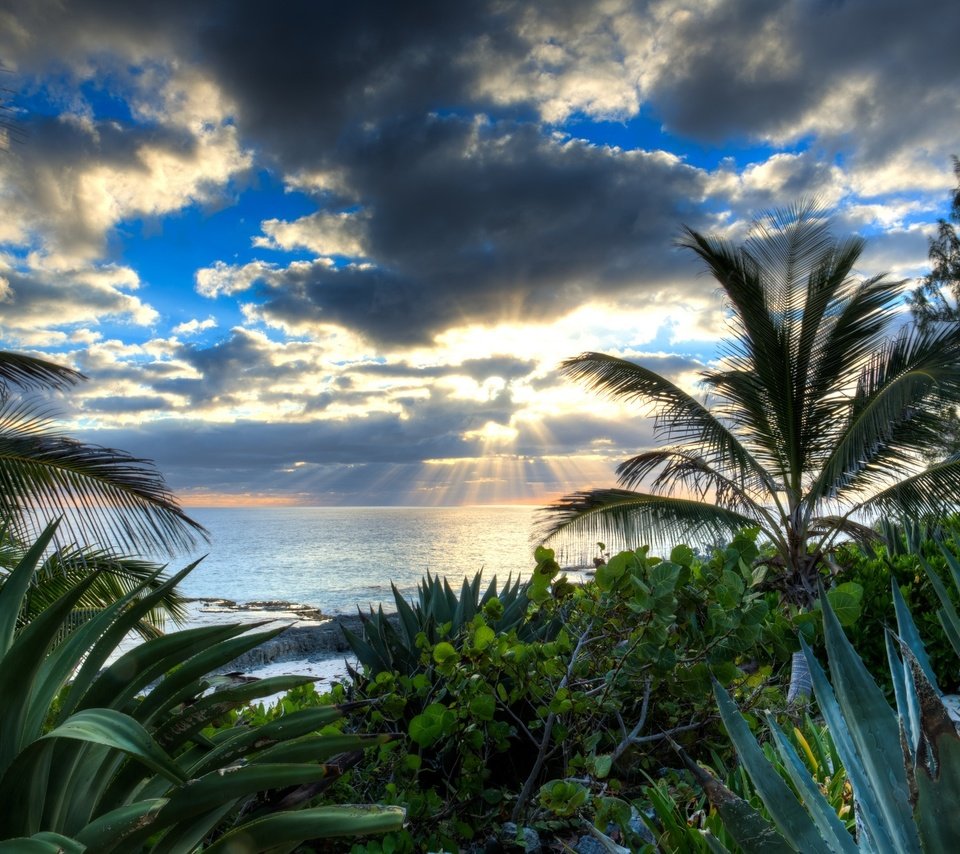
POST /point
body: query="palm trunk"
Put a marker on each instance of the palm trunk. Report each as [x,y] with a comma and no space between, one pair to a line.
[801,684]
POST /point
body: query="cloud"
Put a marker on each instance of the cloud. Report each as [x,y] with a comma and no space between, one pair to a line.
[193,326]
[38,300]
[78,179]
[509,224]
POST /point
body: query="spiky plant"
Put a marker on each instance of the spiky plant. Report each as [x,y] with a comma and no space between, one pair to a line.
[815,420]
[118,756]
[391,645]
[903,763]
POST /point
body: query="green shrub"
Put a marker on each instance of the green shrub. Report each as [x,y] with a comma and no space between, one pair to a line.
[121,757]
[499,721]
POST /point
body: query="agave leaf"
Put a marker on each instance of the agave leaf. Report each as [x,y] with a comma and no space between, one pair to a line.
[117,730]
[19,666]
[108,643]
[185,837]
[292,726]
[177,730]
[186,681]
[938,820]
[62,662]
[221,787]
[947,614]
[881,801]
[317,748]
[936,772]
[906,697]
[316,823]
[907,630]
[751,831]
[147,661]
[42,843]
[831,828]
[111,829]
[408,618]
[872,726]
[17,583]
[367,654]
[793,822]
[714,844]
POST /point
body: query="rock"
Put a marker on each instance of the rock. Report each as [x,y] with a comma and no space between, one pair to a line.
[324,640]
[589,845]
[530,838]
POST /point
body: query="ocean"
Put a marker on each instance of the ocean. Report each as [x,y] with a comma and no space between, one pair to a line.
[338,558]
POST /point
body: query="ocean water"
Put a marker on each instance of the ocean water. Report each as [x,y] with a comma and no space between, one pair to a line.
[338,558]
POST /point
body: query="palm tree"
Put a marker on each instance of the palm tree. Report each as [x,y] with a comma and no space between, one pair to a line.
[108,502]
[815,422]
[106,498]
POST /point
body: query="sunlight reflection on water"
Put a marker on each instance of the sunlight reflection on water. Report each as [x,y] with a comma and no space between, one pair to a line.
[337,558]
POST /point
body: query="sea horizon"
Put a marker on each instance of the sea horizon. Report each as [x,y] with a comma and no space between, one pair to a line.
[338,558]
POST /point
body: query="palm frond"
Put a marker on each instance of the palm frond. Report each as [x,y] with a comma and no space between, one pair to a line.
[678,416]
[895,413]
[635,519]
[31,374]
[679,469]
[932,492]
[106,497]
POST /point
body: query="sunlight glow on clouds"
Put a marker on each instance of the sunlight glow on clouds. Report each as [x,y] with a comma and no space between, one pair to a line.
[350,276]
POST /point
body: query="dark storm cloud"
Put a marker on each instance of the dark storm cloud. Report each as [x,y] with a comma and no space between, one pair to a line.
[476,222]
[755,67]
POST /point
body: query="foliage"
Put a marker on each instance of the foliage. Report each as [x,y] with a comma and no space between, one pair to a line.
[113,577]
[503,725]
[438,613]
[680,813]
[102,756]
[938,296]
[106,497]
[818,404]
[903,763]
[873,571]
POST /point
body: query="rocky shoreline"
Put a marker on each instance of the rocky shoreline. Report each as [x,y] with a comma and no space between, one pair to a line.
[310,636]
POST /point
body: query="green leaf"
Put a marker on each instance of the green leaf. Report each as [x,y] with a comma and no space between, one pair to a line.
[316,823]
[483,707]
[115,729]
[445,653]
[845,600]
[790,817]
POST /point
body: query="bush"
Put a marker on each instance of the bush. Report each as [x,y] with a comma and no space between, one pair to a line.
[493,716]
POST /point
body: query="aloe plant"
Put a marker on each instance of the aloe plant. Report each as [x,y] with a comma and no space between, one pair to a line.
[102,757]
[438,613]
[903,763]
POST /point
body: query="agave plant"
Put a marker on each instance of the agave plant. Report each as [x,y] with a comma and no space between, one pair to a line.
[903,763]
[98,756]
[391,645]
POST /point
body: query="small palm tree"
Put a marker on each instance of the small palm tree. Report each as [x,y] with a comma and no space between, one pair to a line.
[106,498]
[816,420]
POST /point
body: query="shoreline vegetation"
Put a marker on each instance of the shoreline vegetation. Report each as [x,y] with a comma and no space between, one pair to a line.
[644,710]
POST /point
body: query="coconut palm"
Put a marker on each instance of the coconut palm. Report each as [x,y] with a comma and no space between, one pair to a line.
[106,498]
[815,421]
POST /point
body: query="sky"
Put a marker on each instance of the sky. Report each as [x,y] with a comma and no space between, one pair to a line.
[332,253]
